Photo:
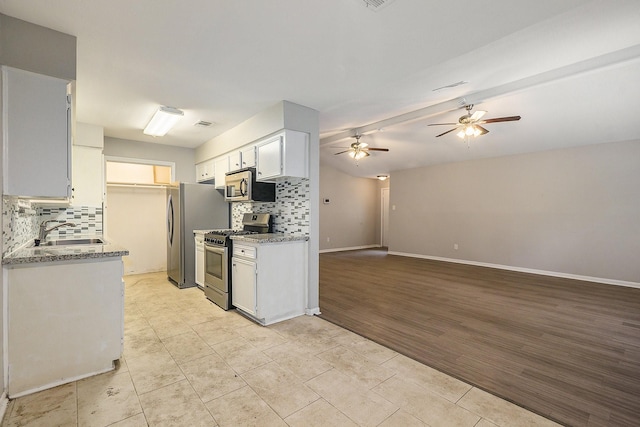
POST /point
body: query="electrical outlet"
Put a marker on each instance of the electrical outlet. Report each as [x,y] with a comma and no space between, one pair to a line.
[328,239]
[455,246]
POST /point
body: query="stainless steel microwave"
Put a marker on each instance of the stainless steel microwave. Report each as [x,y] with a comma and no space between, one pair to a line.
[241,186]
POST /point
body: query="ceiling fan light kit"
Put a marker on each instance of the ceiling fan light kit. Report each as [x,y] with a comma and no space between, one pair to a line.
[359,150]
[469,125]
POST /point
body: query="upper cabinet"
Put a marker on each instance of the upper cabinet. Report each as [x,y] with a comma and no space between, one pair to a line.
[36,135]
[248,157]
[235,161]
[88,166]
[222,167]
[283,155]
[205,171]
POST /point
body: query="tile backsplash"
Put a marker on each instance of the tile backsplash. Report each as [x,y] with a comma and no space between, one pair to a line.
[21,221]
[290,211]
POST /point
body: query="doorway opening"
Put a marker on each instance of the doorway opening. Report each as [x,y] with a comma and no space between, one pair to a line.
[135,210]
[384,217]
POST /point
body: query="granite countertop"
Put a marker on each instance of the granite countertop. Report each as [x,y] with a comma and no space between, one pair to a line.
[31,254]
[269,238]
[201,231]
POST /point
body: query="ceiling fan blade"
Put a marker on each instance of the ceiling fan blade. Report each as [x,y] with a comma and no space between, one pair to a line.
[342,152]
[443,124]
[376,149]
[481,129]
[444,133]
[502,119]
[478,115]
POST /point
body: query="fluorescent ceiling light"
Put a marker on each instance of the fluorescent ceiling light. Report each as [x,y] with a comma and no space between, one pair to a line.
[163,120]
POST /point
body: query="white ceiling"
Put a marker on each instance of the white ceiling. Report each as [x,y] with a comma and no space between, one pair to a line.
[570,68]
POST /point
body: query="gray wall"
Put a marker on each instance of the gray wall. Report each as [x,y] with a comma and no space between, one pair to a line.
[184,158]
[572,211]
[352,218]
[38,49]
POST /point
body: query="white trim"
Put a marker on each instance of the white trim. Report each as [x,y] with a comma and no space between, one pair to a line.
[4,401]
[525,270]
[352,248]
[312,311]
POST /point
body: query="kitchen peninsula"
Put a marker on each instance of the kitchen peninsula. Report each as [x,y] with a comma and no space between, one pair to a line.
[65,313]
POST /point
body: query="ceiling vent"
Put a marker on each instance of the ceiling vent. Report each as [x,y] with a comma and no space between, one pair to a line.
[376,5]
[202,124]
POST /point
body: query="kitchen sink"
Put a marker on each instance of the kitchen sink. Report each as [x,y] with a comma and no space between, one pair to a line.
[92,241]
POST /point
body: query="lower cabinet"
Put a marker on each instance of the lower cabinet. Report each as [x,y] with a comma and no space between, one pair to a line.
[244,294]
[65,321]
[199,239]
[269,279]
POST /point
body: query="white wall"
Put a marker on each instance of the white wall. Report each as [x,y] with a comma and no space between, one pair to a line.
[352,217]
[137,221]
[574,211]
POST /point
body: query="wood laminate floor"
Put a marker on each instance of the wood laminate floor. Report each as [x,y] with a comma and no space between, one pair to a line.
[566,349]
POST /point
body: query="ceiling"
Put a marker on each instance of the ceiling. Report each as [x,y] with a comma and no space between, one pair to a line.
[569,68]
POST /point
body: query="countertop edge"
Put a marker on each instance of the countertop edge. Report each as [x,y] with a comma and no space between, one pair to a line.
[34,255]
[270,238]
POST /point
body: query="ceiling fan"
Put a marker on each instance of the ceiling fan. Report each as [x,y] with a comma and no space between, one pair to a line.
[469,125]
[359,150]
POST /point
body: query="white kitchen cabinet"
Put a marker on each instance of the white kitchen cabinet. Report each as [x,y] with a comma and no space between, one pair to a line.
[248,156]
[243,295]
[268,279]
[205,171]
[235,161]
[222,167]
[87,187]
[283,155]
[65,321]
[87,166]
[200,259]
[36,111]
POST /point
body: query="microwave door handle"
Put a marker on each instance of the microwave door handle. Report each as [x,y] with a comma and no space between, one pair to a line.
[243,191]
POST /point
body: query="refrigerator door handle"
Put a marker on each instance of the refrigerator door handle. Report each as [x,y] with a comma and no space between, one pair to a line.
[170,220]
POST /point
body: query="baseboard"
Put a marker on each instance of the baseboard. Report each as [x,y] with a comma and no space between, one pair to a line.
[525,270]
[312,311]
[3,406]
[352,248]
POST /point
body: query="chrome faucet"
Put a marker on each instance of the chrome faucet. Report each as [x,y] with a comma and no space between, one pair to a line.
[42,235]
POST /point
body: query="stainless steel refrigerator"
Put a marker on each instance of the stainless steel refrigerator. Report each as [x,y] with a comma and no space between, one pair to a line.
[191,207]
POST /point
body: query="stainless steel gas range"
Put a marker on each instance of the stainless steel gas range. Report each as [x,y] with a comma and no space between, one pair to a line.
[218,252]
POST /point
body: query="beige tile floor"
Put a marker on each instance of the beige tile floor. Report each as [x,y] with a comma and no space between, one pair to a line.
[188,363]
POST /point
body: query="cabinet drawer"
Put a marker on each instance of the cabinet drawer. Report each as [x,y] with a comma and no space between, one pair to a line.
[244,251]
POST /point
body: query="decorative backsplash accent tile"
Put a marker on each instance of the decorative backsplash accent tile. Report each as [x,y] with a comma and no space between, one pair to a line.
[21,221]
[290,211]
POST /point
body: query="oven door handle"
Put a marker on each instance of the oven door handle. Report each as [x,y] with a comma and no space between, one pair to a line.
[215,249]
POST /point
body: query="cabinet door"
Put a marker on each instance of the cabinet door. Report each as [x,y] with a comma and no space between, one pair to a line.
[87,176]
[199,261]
[269,162]
[248,157]
[37,143]
[235,162]
[221,168]
[243,285]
